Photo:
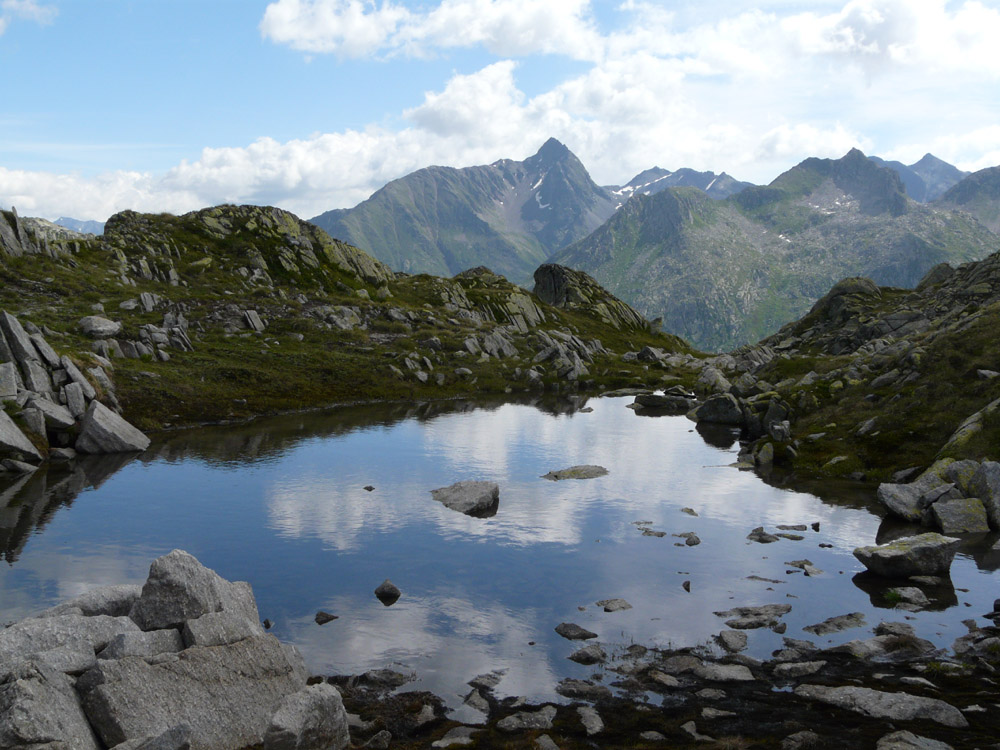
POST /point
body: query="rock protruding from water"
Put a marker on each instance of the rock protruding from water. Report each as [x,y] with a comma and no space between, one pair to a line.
[145,688]
[471,497]
[583,471]
[103,431]
[922,555]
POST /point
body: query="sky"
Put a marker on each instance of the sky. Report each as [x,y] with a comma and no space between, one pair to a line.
[174,105]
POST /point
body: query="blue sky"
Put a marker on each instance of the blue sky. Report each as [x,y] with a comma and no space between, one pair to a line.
[314,104]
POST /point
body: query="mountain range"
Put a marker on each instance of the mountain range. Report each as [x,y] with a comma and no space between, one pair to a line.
[723,262]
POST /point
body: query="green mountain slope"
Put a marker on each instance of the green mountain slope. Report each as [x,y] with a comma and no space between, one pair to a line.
[979,195]
[509,215]
[724,273]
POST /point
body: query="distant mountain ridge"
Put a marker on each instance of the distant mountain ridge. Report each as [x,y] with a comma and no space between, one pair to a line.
[926,180]
[724,273]
[80,225]
[509,215]
[979,195]
[655,180]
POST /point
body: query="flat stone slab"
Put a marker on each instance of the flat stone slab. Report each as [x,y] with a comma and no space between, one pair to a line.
[471,497]
[884,705]
[724,673]
[923,555]
[573,632]
[584,471]
[592,654]
[836,624]
[749,618]
[103,431]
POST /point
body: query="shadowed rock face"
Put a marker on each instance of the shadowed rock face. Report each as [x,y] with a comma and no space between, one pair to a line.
[565,288]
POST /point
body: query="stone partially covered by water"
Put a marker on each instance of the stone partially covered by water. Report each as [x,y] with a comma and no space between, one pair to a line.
[471,497]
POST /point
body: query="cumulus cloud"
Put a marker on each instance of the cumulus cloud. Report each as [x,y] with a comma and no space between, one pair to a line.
[352,28]
[25,10]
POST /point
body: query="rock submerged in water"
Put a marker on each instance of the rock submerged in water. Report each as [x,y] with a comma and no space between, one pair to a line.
[471,497]
[583,471]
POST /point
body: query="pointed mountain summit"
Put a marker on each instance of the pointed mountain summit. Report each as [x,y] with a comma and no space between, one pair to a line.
[509,215]
[927,179]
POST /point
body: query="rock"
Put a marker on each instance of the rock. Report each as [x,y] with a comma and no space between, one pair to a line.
[39,709]
[457,737]
[664,680]
[722,408]
[613,605]
[177,738]
[985,484]
[691,729]
[544,742]
[909,741]
[748,618]
[902,499]
[219,629]
[179,588]
[9,378]
[75,400]
[883,705]
[926,554]
[715,713]
[103,431]
[574,632]
[804,740]
[724,673]
[592,654]
[48,354]
[836,624]
[97,327]
[911,597]
[791,670]
[586,471]
[582,690]
[322,618]
[226,694]
[72,639]
[690,538]
[759,535]
[253,321]
[57,417]
[13,440]
[143,644]
[387,593]
[312,718]
[473,498]
[652,736]
[528,720]
[476,700]
[591,720]
[78,377]
[114,601]
[732,641]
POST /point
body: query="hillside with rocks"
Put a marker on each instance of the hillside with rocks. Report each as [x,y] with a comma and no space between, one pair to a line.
[509,215]
[234,311]
[725,273]
[978,195]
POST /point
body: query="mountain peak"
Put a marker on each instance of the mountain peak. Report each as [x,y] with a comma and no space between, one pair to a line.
[552,150]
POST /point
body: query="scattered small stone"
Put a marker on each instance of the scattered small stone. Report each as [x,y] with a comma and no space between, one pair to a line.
[791,537]
[792,527]
[267,624]
[544,742]
[909,741]
[379,741]
[591,720]
[690,538]
[691,729]
[836,624]
[663,679]
[387,593]
[748,618]
[759,535]
[689,511]
[651,532]
[541,719]
[715,713]
[573,632]
[592,654]
[686,585]
[582,689]
[815,525]
[732,641]
[791,670]
[457,737]
[711,694]
[322,618]
[368,488]
[806,566]
[651,736]
[764,580]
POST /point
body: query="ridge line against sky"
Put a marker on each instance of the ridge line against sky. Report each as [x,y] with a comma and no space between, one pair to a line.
[315,104]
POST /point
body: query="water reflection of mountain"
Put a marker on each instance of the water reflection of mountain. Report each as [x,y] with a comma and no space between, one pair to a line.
[29,502]
[268,438]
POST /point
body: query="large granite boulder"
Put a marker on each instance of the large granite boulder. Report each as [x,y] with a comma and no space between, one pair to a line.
[922,555]
[226,694]
[98,327]
[39,709]
[103,431]
[985,484]
[12,439]
[180,589]
[471,497]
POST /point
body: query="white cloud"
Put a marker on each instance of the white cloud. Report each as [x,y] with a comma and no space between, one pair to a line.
[352,28]
[27,10]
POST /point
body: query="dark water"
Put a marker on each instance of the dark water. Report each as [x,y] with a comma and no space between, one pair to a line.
[280,503]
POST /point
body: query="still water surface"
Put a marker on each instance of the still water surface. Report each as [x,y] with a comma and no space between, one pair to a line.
[281,503]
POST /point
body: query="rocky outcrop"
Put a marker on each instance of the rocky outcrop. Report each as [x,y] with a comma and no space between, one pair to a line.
[138,679]
[568,289]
